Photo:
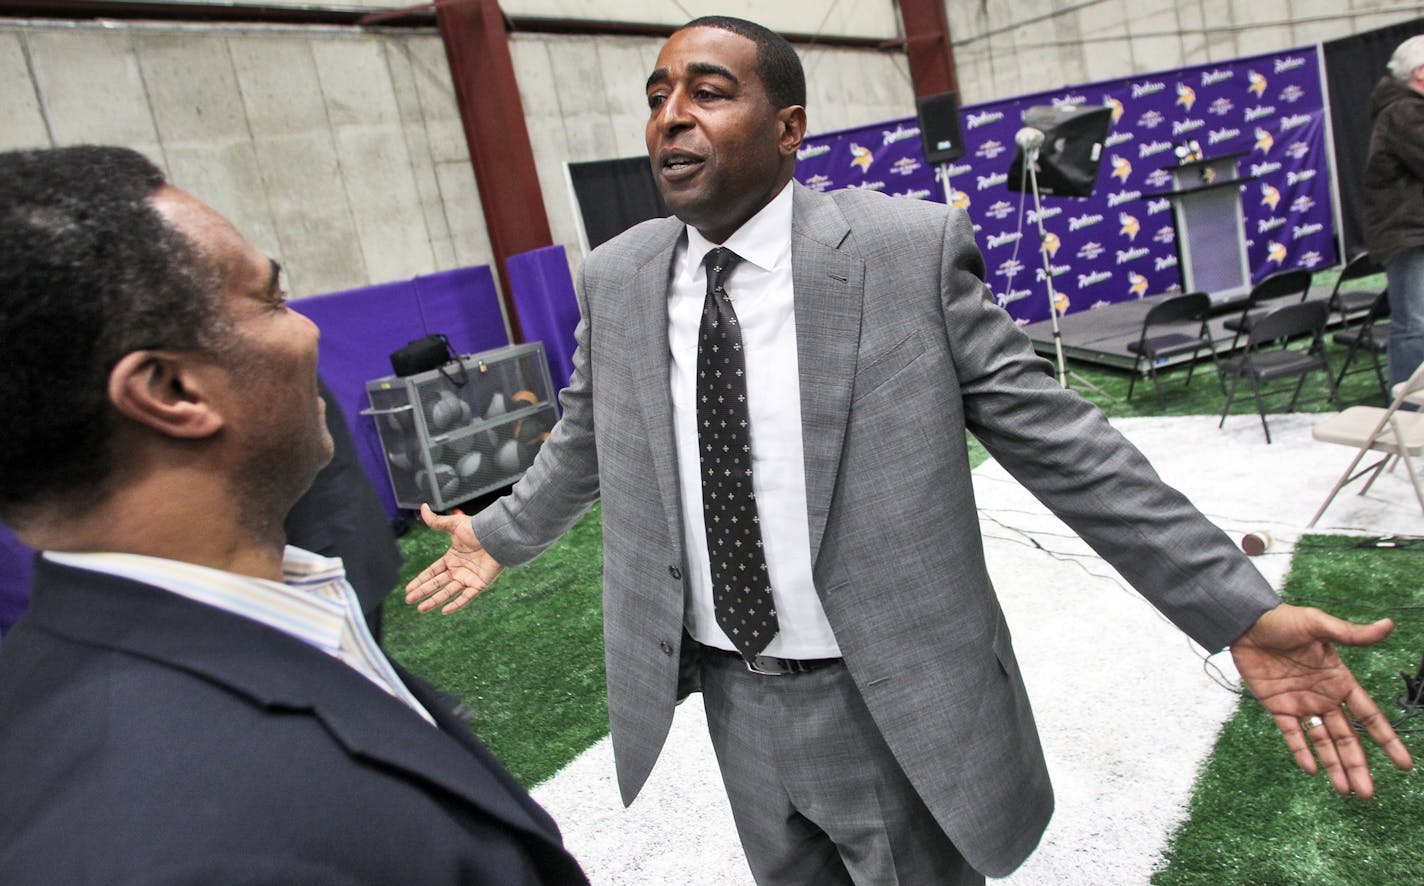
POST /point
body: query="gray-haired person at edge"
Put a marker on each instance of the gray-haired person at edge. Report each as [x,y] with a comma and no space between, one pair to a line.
[188,699]
[1394,201]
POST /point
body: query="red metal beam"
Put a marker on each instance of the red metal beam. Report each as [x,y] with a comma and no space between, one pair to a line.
[928,47]
[477,50]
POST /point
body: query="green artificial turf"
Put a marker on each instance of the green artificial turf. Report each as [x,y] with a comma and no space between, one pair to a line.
[525,657]
[1254,817]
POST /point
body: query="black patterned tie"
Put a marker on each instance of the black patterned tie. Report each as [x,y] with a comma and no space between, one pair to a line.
[741,588]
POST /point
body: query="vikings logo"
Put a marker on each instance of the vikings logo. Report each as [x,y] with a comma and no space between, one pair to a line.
[1186,96]
[1121,168]
[1264,141]
[1116,106]
[1130,226]
[1138,286]
[1051,243]
[1258,84]
[1276,252]
[960,199]
[1269,196]
[861,157]
[1060,302]
[1001,209]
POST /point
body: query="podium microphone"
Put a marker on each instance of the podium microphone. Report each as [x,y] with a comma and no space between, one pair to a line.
[1029,139]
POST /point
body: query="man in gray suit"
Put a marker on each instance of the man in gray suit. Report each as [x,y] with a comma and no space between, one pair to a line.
[883,733]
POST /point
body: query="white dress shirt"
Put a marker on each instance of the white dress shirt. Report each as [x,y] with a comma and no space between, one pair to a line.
[761,291]
[314,604]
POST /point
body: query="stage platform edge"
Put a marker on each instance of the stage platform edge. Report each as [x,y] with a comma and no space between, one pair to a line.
[1100,336]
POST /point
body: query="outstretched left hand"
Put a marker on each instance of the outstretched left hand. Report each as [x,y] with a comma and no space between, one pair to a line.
[1288,660]
[458,576]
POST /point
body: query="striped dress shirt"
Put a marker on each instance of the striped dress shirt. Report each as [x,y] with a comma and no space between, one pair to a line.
[314,603]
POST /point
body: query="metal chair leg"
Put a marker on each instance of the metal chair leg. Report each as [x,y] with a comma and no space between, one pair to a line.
[1230,398]
[1156,383]
[1260,407]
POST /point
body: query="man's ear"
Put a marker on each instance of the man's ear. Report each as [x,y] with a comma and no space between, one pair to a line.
[165,392]
[792,120]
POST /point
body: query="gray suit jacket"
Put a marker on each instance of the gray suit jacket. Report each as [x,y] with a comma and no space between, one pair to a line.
[901,350]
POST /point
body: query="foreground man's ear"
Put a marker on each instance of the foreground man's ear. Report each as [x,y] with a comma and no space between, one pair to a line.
[166,392]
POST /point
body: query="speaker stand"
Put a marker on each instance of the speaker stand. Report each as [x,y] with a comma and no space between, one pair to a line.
[1030,158]
[948,188]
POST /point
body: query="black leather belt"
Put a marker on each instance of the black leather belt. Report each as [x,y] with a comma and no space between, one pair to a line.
[772,666]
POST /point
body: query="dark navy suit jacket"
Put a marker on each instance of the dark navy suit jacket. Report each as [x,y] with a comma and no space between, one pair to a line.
[146,737]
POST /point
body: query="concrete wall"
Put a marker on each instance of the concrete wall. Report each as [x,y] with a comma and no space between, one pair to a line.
[839,18]
[1006,49]
[339,152]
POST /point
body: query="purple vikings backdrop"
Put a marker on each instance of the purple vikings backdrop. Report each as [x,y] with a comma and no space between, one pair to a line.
[1120,243]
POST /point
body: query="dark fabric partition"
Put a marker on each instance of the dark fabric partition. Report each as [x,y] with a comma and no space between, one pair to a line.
[462,304]
[543,294]
[1353,65]
[15,561]
[614,195]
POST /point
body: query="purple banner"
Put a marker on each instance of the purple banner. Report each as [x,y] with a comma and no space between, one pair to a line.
[1119,243]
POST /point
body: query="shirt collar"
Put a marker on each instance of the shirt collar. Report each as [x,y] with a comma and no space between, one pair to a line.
[307,604]
[762,240]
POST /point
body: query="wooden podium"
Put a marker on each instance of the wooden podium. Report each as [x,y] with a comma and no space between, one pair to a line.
[1211,230]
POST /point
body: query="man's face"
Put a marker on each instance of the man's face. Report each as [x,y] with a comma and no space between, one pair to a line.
[719,149]
[274,417]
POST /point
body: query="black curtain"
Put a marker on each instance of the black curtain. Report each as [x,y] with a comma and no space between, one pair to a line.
[1353,65]
[614,195]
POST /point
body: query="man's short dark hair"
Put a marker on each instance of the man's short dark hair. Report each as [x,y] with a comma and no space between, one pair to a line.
[89,272]
[777,63]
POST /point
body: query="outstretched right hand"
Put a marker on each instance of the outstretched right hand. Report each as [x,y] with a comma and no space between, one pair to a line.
[458,576]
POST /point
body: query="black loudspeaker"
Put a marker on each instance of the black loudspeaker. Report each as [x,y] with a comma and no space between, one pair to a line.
[939,128]
[614,195]
[1071,152]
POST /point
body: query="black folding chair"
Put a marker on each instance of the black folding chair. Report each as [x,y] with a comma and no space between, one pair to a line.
[1347,300]
[1370,338]
[1276,286]
[1185,318]
[1269,358]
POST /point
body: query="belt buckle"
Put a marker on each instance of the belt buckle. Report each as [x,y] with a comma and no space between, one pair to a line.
[758,665]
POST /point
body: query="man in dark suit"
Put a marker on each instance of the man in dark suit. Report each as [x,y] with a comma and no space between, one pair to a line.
[340,516]
[866,709]
[188,699]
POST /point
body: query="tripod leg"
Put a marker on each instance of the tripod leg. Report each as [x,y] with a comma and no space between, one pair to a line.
[1063,372]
